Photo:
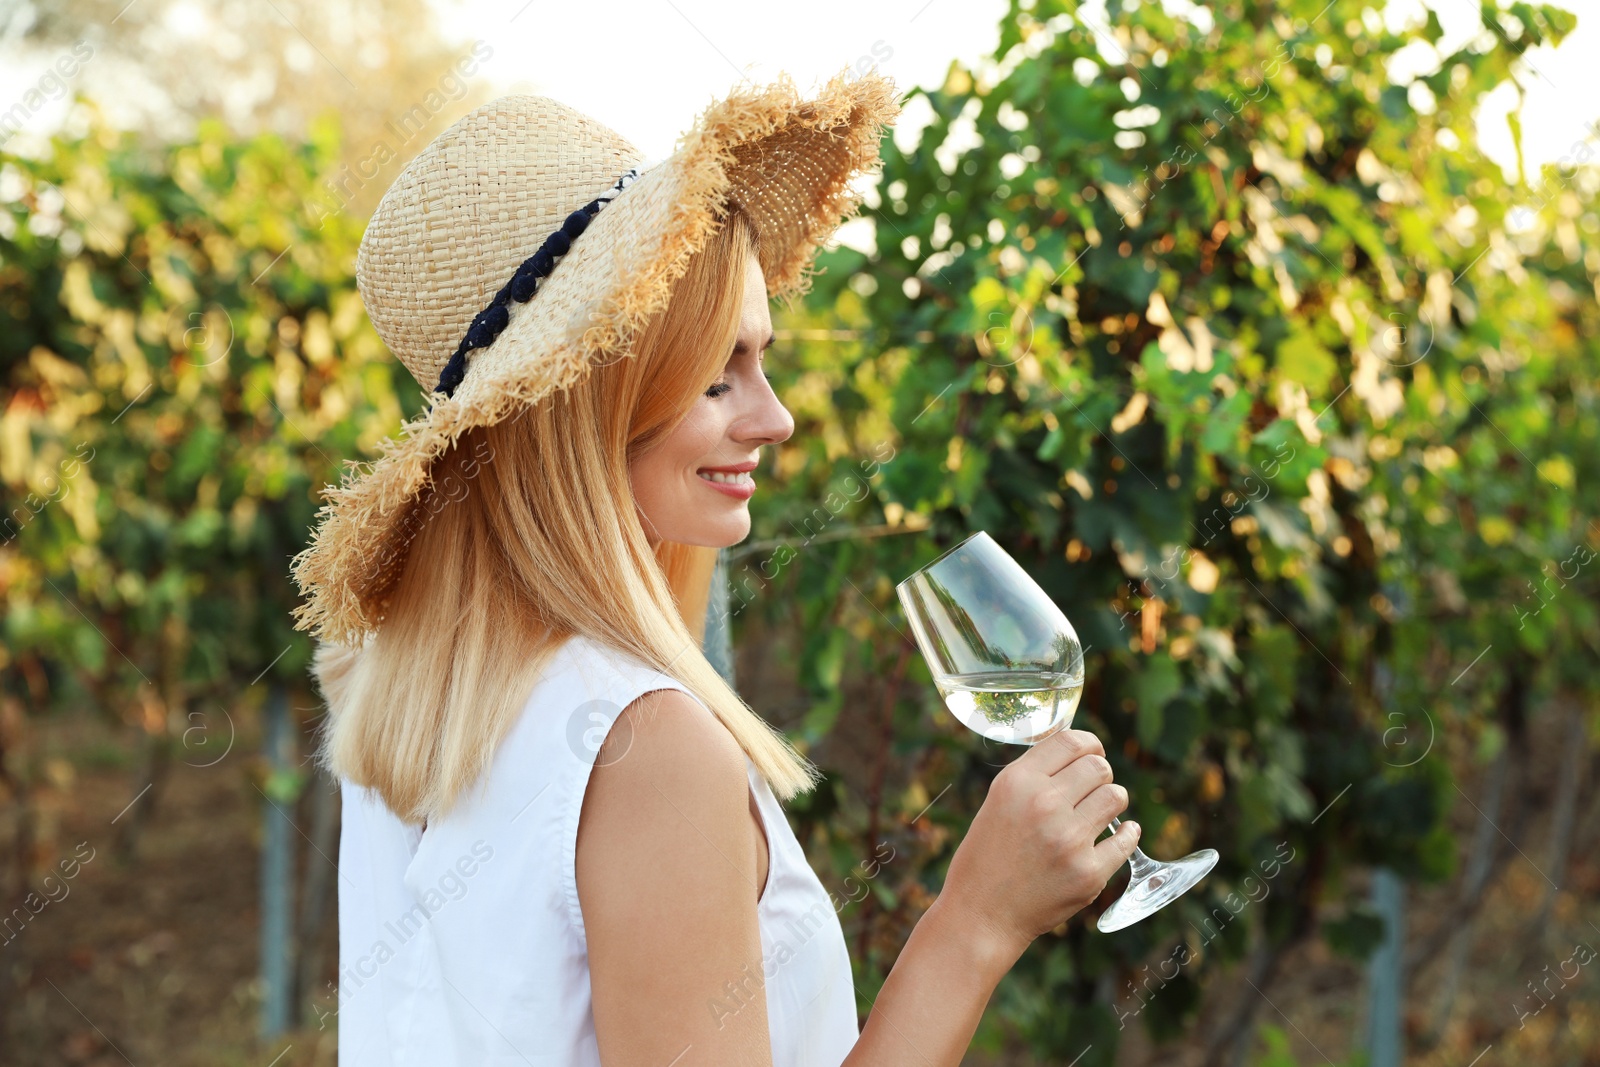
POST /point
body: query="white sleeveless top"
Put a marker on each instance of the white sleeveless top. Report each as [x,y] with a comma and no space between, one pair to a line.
[464,946]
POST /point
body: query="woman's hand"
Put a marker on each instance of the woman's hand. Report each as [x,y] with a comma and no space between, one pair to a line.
[1027,864]
[1029,861]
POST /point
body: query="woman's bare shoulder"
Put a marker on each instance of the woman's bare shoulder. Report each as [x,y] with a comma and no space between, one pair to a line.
[668,738]
[666,871]
[668,774]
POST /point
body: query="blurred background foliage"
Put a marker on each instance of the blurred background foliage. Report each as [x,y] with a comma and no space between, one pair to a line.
[1280,389]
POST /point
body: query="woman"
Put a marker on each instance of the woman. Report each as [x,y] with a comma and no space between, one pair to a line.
[562,840]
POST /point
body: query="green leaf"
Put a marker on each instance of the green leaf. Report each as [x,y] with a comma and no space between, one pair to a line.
[1221,433]
[283,786]
[1302,359]
[829,661]
[1155,681]
[1356,934]
[1274,653]
[821,716]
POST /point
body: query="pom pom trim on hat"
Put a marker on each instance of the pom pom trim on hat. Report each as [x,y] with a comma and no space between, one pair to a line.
[492,320]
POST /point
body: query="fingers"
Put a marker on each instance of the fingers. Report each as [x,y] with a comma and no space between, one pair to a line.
[1081,777]
[1115,850]
[1060,749]
[1102,804]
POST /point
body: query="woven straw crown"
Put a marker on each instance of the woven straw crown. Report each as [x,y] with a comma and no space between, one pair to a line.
[484,196]
[468,210]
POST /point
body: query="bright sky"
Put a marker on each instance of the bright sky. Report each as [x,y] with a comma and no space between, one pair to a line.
[659,61]
[647,67]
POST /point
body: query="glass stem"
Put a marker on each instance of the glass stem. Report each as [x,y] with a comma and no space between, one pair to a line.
[1142,865]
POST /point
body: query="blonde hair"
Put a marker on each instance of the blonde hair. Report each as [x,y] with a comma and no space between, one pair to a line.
[544,542]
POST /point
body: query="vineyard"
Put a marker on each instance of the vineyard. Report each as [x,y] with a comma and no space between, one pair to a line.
[1283,391]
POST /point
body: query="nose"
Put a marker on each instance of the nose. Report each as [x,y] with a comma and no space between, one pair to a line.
[767,422]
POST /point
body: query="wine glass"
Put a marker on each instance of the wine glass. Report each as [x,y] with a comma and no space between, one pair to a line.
[1008,665]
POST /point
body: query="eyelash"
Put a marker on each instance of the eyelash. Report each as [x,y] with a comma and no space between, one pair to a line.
[721,388]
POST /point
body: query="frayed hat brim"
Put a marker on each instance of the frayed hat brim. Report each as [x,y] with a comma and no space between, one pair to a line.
[789,161]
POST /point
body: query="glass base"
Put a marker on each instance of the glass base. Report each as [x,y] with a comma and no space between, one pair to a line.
[1154,886]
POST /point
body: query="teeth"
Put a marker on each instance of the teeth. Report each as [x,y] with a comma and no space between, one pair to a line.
[727,479]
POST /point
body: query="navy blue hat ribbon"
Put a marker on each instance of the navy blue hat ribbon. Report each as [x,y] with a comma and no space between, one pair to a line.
[488,323]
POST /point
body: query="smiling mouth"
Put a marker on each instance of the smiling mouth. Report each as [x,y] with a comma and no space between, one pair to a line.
[721,478]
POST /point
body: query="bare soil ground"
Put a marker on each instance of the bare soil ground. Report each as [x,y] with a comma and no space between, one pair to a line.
[152,959]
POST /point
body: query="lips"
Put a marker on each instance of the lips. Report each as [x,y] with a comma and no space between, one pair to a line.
[737,484]
[734,480]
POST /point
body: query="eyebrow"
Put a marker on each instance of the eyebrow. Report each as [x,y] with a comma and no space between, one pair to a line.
[740,347]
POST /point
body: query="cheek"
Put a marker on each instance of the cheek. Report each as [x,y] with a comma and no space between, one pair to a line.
[694,440]
[659,474]
[656,482]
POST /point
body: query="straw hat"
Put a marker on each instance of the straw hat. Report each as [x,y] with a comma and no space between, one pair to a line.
[529,243]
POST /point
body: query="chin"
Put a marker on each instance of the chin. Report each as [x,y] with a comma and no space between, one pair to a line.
[724,534]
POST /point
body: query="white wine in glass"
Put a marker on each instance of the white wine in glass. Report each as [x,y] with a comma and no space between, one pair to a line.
[1009,666]
[1019,707]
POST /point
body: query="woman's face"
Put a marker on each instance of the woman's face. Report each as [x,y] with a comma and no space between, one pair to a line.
[672,483]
